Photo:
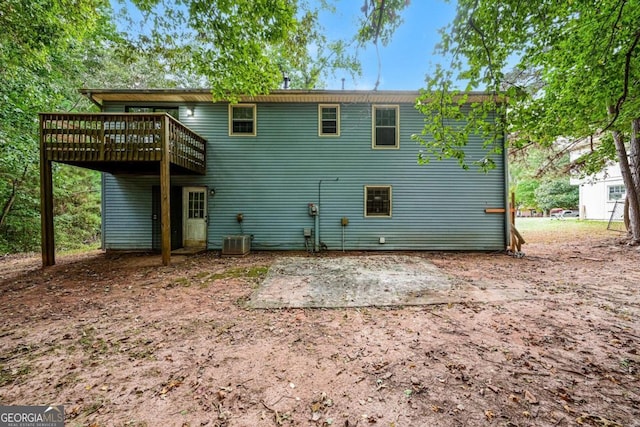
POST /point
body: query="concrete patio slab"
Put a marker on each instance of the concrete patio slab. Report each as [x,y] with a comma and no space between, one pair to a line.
[371,280]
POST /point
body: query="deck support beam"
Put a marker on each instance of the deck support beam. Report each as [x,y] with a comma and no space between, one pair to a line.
[165,192]
[46,211]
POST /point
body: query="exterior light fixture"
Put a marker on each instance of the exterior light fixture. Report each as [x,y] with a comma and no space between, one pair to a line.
[189,111]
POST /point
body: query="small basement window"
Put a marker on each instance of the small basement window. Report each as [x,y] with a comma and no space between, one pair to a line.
[328,120]
[377,201]
[242,120]
[386,132]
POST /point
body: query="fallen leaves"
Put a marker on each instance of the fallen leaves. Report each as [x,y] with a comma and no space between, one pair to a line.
[493,388]
[319,406]
[171,385]
[489,414]
[597,420]
[530,397]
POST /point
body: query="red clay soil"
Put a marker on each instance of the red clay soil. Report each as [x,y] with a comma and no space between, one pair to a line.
[120,341]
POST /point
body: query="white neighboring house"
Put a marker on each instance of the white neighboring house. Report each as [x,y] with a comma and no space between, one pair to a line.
[599,192]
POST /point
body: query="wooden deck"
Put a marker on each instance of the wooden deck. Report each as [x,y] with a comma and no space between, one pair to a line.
[131,143]
[118,143]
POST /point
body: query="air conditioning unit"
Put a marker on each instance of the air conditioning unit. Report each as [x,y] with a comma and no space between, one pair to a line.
[236,245]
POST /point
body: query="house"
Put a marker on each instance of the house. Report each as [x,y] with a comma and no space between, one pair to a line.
[290,170]
[600,193]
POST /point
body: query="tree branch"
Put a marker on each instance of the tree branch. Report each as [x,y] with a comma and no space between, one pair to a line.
[472,24]
[625,88]
[515,151]
[615,25]
[378,28]
[379,66]
[557,156]
[375,39]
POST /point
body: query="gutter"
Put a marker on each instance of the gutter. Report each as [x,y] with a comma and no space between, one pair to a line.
[89,95]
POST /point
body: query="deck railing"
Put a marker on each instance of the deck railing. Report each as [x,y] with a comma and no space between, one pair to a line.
[120,137]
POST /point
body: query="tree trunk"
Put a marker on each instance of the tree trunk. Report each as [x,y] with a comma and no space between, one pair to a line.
[634,163]
[633,190]
[9,203]
[6,209]
[634,152]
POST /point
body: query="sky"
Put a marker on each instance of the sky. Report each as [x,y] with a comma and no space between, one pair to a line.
[407,58]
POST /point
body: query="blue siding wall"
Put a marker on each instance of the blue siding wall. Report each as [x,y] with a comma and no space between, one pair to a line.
[126,214]
[272,177]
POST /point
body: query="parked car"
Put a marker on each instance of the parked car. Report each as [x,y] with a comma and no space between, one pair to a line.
[556,212]
[563,213]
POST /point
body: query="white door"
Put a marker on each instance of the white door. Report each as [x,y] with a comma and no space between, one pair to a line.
[194,205]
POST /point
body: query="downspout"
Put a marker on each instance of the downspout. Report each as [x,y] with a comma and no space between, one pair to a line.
[507,211]
[316,235]
[102,211]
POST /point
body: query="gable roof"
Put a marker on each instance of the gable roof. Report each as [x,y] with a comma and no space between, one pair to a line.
[100,96]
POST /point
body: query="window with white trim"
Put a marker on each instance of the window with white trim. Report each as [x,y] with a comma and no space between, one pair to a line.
[616,192]
[329,120]
[386,129]
[242,120]
[377,201]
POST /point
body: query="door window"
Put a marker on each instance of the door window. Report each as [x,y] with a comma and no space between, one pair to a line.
[196,204]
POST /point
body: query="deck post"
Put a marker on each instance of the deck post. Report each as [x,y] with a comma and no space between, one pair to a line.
[46,206]
[165,190]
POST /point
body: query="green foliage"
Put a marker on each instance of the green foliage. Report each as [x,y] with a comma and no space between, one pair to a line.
[227,42]
[452,120]
[305,69]
[596,157]
[43,60]
[584,55]
[77,207]
[20,231]
[76,210]
[235,47]
[532,167]
[557,193]
[525,193]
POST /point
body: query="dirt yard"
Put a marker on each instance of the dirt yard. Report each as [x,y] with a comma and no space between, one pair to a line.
[121,341]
